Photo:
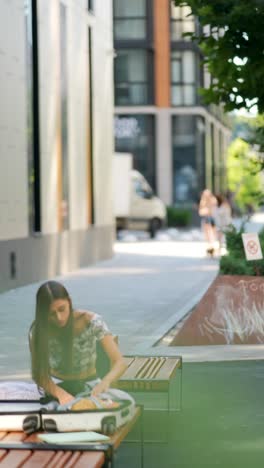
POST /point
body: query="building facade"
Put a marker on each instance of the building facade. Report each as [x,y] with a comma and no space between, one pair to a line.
[178,144]
[56,138]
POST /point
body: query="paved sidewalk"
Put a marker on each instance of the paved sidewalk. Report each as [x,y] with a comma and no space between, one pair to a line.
[141,292]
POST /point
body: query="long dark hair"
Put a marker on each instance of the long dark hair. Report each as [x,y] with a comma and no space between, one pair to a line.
[41,328]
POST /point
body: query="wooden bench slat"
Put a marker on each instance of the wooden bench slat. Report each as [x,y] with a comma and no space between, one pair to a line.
[15,458]
[39,458]
[168,368]
[56,459]
[146,369]
[73,460]
[158,367]
[60,459]
[14,437]
[2,454]
[91,459]
[153,367]
[134,368]
[149,373]
[129,360]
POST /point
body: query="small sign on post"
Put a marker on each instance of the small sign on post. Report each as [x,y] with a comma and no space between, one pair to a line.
[252,246]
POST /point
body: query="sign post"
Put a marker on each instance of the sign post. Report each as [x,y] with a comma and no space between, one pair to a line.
[252,246]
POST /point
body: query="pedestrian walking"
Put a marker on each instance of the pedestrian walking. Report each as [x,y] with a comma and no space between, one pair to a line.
[206,210]
[223,218]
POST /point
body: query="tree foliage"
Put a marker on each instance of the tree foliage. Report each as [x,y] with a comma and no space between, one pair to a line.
[233,50]
[251,130]
[235,263]
[243,176]
[256,135]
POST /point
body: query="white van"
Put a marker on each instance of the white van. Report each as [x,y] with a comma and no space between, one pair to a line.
[135,205]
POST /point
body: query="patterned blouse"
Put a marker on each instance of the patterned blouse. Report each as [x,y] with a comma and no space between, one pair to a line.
[84,350]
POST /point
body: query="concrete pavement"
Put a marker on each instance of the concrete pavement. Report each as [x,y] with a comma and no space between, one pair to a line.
[142,292]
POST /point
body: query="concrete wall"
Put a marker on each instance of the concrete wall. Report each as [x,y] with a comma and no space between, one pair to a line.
[13,142]
[103,103]
[53,251]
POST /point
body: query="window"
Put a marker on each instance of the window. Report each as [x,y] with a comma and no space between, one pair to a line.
[33,146]
[183,78]
[132,68]
[136,134]
[130,20]
[188,137]
[181,22]
[142,188]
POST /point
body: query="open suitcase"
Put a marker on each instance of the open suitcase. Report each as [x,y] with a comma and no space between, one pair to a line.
[31,416]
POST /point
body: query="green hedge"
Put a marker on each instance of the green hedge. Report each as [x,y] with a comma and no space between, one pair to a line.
[178,217]
[235,263]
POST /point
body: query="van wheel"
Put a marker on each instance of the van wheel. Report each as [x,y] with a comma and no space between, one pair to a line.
[154,226]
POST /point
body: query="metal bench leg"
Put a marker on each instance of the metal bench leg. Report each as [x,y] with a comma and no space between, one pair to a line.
[141,440]
[181,388]
[141,428]
[175,392]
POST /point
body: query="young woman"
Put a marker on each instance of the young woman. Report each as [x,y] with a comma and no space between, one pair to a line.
[63,346]
[223,218]
[206,211]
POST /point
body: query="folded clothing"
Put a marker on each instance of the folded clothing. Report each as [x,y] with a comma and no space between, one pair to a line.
[93,403]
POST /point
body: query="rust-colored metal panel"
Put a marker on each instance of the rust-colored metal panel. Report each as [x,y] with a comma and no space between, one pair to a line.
[230,312]
[161,15]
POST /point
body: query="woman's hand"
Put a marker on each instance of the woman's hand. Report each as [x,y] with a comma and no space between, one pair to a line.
[101,387]
[64,397]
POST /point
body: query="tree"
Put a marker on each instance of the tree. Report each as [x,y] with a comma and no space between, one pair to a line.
[242,178]
[233,50]
[251,130]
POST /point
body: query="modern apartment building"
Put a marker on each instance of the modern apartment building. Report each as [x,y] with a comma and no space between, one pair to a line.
[177,143]
[56,137]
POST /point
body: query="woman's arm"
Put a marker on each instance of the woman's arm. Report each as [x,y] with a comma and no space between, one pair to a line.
[57,392]
[118,365]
